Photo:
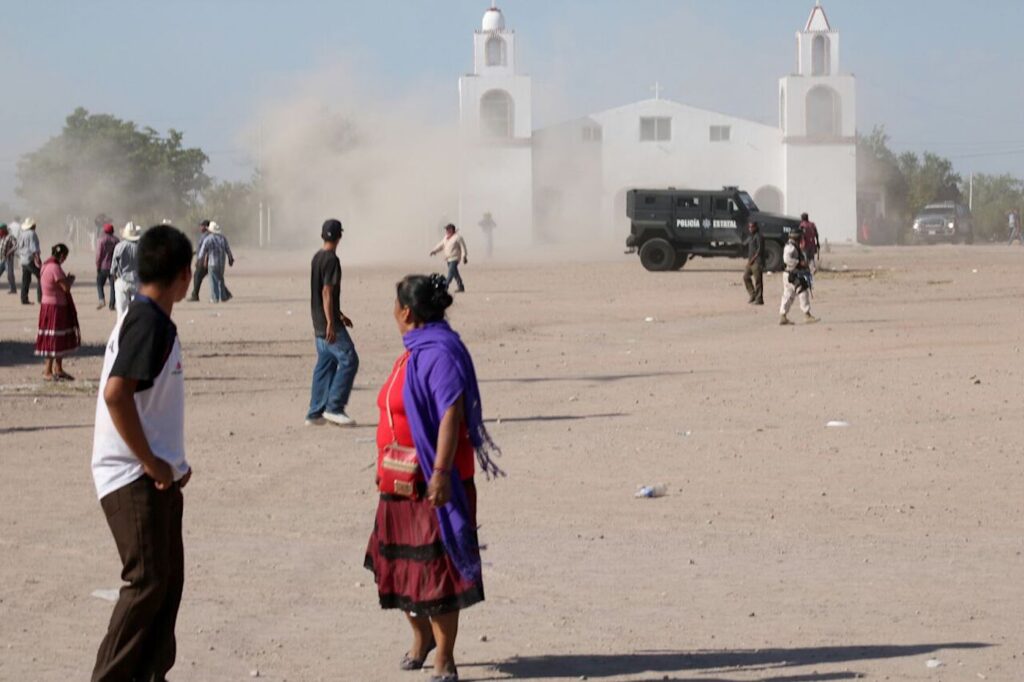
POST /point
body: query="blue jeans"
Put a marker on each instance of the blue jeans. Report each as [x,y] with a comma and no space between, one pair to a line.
[217,283]
[333,375]
[8,266]
[453,274]
[102,277]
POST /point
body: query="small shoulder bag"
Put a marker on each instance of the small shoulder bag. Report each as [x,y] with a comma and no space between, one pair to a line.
[400,468]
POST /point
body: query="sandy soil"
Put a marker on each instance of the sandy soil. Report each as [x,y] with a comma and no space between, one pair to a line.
[785,551]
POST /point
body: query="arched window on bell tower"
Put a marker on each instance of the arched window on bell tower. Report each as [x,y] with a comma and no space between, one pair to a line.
[495,52]
[497,115]
[824,112]
[820,56]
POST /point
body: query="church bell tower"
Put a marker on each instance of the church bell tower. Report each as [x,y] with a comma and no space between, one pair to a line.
[817,112]
[496,132]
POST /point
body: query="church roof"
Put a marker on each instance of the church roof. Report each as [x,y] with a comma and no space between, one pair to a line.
[818,22]
[665,105]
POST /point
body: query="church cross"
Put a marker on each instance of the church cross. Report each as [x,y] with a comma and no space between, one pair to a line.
[656,88]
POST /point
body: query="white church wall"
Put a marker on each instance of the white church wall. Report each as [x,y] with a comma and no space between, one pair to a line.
[567,181]
[821,179]
[751,158]
[498,180]
[473,88]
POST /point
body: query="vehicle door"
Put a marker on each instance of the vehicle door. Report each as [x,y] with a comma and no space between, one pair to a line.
[654,213]
[689,215]
[726,221]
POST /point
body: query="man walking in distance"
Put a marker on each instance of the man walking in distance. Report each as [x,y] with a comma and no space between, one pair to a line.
[796,280]
[216,253]
[337,361]
[139,466]
[454,248]
[28,256]
[105,245]
[124,266]
[1013,222]
[200,270]
[753,275]
[809,243]
[8,247]
[487,224]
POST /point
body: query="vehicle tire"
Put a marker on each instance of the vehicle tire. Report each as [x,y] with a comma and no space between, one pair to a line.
[772,256]
[680,261]
[657,255]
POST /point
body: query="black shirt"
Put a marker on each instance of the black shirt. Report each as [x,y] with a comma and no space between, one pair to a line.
[144,344]
[326,272]
[755,247]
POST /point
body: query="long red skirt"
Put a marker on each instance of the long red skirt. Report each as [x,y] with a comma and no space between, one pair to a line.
[58,333]
[412,570]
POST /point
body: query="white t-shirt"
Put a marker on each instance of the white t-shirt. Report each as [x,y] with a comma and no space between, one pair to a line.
[143,346]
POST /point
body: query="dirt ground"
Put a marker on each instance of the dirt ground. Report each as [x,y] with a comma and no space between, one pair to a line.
[785,551]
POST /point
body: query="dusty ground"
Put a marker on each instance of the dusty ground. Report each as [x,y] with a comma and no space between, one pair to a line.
[785,551]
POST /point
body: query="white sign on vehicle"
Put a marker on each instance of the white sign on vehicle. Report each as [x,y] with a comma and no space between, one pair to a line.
[688,222]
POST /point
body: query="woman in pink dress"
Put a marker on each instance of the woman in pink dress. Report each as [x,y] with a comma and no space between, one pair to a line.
[59,333]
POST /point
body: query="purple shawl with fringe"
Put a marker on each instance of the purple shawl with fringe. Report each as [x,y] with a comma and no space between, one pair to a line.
[438,372]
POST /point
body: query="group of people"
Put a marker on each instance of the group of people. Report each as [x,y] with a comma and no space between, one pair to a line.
[117,269]
[423,550]
[800,258]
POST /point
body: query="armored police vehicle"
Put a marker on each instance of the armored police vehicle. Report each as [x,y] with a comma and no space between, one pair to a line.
[668,226]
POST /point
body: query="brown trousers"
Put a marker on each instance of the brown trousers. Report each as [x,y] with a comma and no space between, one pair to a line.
[753,278]
[146,524]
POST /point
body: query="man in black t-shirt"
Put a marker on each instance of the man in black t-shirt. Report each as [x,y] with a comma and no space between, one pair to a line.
[753,275]
[337,361]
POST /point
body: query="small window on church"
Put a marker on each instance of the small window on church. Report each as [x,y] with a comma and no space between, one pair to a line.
[495,51]
[655,129]
[591,133]
[721,133]
[497,114]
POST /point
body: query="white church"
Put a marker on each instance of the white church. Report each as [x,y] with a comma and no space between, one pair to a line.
[569,180]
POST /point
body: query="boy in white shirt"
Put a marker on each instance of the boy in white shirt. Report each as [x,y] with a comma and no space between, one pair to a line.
[138,462]
[454,247]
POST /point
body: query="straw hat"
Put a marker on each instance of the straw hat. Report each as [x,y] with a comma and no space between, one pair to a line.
[28,224]
[214,228]
[131,232]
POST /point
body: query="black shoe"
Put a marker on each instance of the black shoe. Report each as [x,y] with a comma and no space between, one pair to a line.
[758,302]
[193,298]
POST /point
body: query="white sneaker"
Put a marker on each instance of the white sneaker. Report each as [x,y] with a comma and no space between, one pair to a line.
[339,419]
[316,421]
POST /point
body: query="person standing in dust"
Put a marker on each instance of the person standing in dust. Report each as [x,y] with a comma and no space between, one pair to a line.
[1013,222]
[796,280]
[454,248]
[487,224]
[809,242]
[336,359]
[753,275]
[216,253]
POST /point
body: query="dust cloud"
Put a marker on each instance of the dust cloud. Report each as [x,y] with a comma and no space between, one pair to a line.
[330,147]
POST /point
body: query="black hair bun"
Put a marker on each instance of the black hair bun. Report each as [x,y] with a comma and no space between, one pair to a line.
[440,298]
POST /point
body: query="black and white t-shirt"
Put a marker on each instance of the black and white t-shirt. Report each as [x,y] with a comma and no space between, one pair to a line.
[143,346]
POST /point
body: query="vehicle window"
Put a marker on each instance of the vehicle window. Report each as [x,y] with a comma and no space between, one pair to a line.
[748,202]
[657,202]
[722,204]
[688,202]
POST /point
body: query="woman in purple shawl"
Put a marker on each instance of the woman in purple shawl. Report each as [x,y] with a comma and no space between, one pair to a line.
[424,552]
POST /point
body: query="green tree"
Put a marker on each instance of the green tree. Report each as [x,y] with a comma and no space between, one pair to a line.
[235,206]
[100,163]
[929,179]
[994,197]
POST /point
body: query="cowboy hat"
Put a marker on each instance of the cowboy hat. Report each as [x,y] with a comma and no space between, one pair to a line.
[131,232]
[214,227]
[28,224]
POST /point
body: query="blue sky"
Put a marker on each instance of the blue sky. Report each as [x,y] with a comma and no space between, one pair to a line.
[941,75]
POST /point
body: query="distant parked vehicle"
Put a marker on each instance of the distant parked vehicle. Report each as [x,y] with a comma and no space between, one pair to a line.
[944,222]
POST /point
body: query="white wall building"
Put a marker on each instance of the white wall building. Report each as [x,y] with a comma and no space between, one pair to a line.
[569,181]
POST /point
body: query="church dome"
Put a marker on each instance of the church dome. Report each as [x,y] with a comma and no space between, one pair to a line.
[494,20]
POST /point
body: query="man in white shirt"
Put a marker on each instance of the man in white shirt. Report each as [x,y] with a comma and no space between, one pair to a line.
[454,248]
[139,466]
[796,280]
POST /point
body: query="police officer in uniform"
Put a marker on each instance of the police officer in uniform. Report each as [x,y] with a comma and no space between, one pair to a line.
[796,281]
[753,275]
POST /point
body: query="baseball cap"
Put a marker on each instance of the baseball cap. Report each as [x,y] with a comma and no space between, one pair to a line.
[332,230]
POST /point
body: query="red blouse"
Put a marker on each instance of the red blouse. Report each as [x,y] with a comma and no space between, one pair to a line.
[465,458]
